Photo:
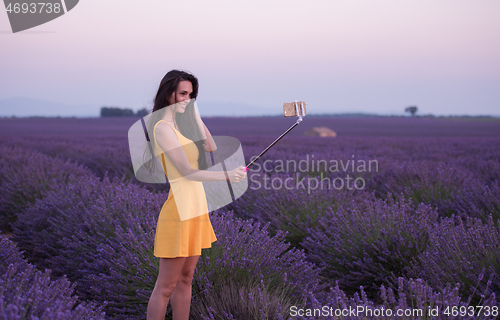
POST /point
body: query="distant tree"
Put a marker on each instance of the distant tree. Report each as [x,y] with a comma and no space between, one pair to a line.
[142,112]
[116,112]
[412,110]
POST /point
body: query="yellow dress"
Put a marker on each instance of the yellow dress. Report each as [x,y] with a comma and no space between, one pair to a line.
[175,237]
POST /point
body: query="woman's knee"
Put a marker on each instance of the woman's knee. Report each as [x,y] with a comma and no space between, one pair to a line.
[186,277]
[166,290]
[187,272]
[170,270]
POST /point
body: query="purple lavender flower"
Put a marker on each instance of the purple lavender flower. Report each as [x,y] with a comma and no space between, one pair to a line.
[26,292]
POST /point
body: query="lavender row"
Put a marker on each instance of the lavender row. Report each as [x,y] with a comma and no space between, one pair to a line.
[100,235]
[457,176]
[26,175]
[266,126]
[26,293]
[110,154]
[360,239]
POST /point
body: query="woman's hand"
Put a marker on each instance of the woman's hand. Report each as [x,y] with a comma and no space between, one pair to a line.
[237,174]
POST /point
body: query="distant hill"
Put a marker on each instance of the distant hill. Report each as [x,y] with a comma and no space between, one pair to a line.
[232,109]
[362,115]
[25,107]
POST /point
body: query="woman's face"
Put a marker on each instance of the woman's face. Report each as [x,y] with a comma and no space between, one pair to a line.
[183,96]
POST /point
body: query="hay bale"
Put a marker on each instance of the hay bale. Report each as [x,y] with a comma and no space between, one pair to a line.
[320,132]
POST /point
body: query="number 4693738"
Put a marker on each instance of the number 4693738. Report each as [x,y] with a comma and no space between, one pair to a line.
[34,7]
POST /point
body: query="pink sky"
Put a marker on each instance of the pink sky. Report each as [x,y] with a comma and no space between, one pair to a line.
[339,56]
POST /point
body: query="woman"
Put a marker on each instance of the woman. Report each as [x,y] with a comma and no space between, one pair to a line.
[184,226]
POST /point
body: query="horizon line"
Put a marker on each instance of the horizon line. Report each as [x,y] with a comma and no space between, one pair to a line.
[338,114]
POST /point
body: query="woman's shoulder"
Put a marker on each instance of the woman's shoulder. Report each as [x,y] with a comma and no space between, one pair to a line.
[165,127]
[164,124]
[164,132]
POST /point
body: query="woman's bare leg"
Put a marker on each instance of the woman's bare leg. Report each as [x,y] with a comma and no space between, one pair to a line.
[181,297]
[168,275]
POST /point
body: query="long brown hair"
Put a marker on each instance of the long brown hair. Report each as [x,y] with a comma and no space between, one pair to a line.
[186,121]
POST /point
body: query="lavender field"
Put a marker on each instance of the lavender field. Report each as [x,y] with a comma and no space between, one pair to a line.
[418,230]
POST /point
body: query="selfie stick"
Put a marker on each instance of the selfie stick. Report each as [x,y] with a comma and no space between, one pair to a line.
[290,109]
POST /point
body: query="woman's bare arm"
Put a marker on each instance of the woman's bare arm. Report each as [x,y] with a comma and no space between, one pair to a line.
[168,142]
